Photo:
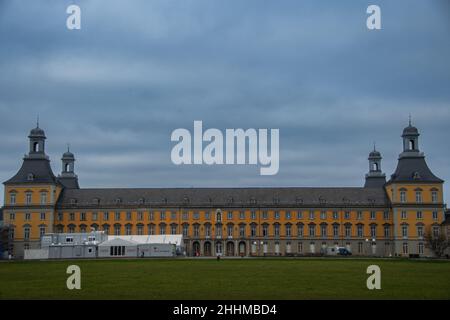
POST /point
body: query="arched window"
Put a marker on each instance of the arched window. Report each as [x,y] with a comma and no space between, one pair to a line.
[36,147]
[66,167]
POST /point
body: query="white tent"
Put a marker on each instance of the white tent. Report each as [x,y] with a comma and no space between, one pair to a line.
[176,239]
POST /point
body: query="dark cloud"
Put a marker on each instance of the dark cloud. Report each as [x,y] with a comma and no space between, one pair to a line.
[117,88]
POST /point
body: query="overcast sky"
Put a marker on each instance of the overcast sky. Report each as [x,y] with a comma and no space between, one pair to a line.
[137,70]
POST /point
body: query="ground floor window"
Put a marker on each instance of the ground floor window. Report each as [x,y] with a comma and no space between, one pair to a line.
[360,247]
[420,248]
[405,248]
[300,247]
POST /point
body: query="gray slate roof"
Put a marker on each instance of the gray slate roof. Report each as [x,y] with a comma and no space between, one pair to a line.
[408,166]
[40,168]
[226,197]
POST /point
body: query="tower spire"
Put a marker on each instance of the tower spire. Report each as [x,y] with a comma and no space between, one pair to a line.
[37,121]
[410,119]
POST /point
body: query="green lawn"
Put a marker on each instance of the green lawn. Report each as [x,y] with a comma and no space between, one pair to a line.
[226,279]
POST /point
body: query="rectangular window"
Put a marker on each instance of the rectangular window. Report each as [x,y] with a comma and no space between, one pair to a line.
[420,231]
[347,215]
[335,230]
[151,229]
[386,215]
[28,198]
[140,230]
[419,215]
[435,215]
[26,233]
[348,231]
[335,215]
[242,215]
[300,247]
[140,216]
[359,215]
[207,230]
[300,230]
[185,216]
[373,215]
[288,230]
[196,215]
[12,216]
[151,216]
[420,248]
[162,216]
[311,215]
[196,230]
[128,230]
[434,196]
[82,216]
[404,215]
[253,230]
[405,248]
[186,230]
[43,197]
[288,215]
[419,196]
[323,230]
[405,231]
[323,215]
[373,231]
[265,230]
[253,215]
[173,229]
[94,216]
[173,216]
[387,231]
[12,199]
[162,229]
[230,216]
[277,230]
[402,196]
[360,230]
[312,230]
[264,215]
[27,216]
[42,216]
[106,216]
[230,231]
[242,231]
[276,215]
[207,216]
[128,216]
[117,216]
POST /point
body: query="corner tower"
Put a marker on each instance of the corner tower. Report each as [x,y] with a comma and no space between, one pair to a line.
[416,195]
[30,197]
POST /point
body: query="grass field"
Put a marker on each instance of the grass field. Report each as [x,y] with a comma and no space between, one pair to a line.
[226,279]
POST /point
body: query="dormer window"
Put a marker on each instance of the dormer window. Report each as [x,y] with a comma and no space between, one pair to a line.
[186,200]
[30,177]
[322,200]
[118,201]
[416,175]
[141,201]
[230,200]
[73,201]
[253,200]
[299,200]
[276,200]
[164,200]
[95,201]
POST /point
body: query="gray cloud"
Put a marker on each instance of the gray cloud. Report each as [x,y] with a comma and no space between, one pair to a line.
[116,89]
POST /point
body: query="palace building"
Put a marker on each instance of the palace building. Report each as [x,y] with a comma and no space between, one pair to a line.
[382,218]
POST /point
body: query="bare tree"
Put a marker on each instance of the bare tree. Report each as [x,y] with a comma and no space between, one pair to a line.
[437,243]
